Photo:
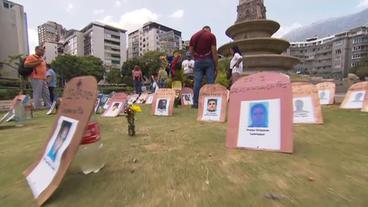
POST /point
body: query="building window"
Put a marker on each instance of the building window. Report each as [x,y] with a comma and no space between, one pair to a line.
[338,52]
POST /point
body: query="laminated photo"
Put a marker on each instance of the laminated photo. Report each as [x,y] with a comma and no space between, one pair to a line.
[260,124]
[212,108]
[162,107]
[303,110]
[43,174]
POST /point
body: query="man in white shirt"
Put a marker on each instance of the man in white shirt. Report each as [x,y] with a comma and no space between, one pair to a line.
[188,66]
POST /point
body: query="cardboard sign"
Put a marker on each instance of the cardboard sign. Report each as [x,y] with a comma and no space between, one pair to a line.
[355,96]
[46,174]
[306,106]
[149,99]
[260,113]
[326,93]
[186,97]
[163,102]
[118,101]
[365,104]
[212,103]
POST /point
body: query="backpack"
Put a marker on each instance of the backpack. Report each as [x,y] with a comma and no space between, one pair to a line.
[23,70]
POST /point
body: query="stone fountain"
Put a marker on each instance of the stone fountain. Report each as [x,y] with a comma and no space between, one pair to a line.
[252,34]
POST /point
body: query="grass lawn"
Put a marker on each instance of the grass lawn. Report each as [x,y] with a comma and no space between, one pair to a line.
[177,161]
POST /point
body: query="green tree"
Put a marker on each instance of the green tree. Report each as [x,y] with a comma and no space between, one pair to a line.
[114,76]
[69,66]
[150,62]
[361,70]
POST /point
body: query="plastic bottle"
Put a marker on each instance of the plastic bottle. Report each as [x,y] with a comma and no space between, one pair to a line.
[27,107]
[90,152]
[19,113]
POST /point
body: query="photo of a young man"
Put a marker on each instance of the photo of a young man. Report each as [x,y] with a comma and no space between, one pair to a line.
[162,107]
[60,138]
[212,108]
[258,115]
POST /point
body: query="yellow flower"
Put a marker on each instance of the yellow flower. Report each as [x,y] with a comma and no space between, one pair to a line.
[136,108]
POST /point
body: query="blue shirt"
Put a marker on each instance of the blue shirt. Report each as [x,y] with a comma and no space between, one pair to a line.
[50,72]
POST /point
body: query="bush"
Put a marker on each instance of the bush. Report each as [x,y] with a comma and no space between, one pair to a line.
[108,90]
[223,66]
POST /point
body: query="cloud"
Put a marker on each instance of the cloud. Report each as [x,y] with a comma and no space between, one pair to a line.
[286,29]
[177,14]
[132,20]
[98,11]
[32,39]
[363,4]
[69,7]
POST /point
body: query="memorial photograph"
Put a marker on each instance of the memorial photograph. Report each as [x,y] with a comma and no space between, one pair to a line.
[162,107]
[355,100]
[212,108]
[324,97]
[187,99]
[114,109]
[42,175]
[260,125]
[303,110]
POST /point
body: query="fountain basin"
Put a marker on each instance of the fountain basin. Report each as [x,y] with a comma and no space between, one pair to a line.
[253,46]
[269,62]
[252,29]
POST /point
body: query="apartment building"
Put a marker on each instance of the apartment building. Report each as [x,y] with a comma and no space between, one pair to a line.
[100,40]
[333,56]
[153,37]
[50,32]
[13,35]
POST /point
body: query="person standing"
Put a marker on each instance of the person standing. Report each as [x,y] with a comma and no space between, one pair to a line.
[236,64]
[137,79]
[51,81]
[188,66]
[203,48]
[38,78]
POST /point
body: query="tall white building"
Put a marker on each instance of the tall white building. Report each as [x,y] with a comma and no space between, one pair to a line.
[153,37]
[100,40]
[13,35]
[50,32]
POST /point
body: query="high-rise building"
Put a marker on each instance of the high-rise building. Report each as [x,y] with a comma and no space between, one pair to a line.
[50,32]
[13,35]
[153,37]
[100,40]
[333,56]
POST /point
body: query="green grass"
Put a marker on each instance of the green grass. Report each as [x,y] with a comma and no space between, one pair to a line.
[182,162]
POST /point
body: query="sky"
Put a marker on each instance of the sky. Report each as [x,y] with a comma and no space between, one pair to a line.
[186,16]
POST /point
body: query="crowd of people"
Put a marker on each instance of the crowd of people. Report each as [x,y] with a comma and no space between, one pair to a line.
[200,61]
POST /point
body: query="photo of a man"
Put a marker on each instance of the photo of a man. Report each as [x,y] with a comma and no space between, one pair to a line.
[303,110]
[162,107]
[358,97]
[187,99]
[162,104]
[258,115]
[211,105]
[212,108]
[299,107]
[113,110]
[60,138]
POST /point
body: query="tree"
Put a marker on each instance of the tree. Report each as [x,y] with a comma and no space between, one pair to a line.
[69,66]
[151,62]
[361,70]
[114,76]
